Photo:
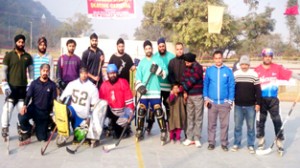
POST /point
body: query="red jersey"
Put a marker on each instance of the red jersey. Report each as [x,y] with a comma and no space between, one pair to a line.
[117,95]
[269,78]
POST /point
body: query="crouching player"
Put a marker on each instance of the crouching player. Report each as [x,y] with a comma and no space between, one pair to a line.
[41,94]
[86,110]
[116,91]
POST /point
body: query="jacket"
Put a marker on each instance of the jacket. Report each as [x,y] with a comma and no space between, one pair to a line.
[219,85]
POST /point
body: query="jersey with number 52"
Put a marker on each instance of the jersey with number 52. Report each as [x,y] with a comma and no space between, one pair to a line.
[83,95]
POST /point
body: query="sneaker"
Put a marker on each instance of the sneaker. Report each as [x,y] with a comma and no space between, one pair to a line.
[172,141]
[251,149]
[211,147]
[261,143]
[187,142]
[279,143]
[225,148]
[198,144]
[235,148]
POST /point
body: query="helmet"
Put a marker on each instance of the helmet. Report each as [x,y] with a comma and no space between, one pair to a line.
[267,51]
[80,133]
[111,68]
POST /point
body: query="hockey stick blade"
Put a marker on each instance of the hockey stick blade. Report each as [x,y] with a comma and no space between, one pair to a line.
[70,150]
[78,146]
[43,150]
[264,152]
[108,148]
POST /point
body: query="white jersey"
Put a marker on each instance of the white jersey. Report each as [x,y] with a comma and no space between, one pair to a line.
[83,95]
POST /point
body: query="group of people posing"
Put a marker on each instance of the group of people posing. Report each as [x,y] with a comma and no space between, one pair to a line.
[173,88]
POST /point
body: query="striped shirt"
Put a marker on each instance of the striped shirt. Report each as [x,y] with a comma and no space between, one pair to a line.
[38,61]
[247,88]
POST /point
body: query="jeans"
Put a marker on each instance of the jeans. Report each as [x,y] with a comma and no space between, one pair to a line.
[240,113]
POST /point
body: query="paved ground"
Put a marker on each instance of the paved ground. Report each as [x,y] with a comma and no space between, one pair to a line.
[149,153]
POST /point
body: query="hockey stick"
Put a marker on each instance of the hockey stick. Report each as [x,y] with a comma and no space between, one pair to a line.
[43,150]
[107,148]
[99,70]
[7,138]
[139,99]
[269,150]
[77,147]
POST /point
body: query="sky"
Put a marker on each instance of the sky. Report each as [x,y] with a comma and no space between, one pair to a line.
[63,9]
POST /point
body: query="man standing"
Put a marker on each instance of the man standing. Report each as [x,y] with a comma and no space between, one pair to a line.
[192,82]
[87,111]
[116,91]
[93,60]
[151,68]
[14,80]
[41,94]
[247,103]
[165,85]
[268,73]
[122,60]
[68,65]
[42,57]
[177,65]
[218,94]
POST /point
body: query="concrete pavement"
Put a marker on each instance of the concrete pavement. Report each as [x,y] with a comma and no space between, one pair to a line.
[149,153]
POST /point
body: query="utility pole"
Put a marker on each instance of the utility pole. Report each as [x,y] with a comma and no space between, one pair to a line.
[30,36]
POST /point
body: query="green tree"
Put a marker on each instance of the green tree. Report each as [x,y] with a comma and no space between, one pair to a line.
[254,26]
[151,31]
[76,26]
[187,22]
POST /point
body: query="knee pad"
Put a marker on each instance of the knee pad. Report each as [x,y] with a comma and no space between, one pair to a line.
[160,117]
[20,104]
[7,112]
[99,109]
[158,111]
[142,111]
[8,106]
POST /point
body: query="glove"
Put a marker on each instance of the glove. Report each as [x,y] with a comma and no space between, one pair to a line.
[62,85]
[136,62]
[80,133]
[155,69]
[124,119]
[5,89]
[142,89]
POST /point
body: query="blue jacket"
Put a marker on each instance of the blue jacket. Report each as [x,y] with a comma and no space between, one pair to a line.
[219,85]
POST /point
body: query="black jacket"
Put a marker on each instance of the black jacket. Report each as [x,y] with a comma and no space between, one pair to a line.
[176,68]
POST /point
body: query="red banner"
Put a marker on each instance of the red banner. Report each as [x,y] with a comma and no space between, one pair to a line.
[111,8]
